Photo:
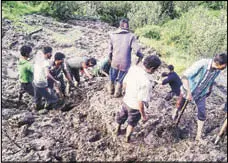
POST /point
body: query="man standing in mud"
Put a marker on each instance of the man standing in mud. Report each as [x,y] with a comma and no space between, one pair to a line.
[40,81]
[138,90]
[25,72]
[197,86]
[121,44]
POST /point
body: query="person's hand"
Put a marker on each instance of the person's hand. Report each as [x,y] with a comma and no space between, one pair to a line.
[90,77]
[146,104]
[144,118]
[58,84]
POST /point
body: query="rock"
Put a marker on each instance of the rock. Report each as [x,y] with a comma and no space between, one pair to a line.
[21,119]
[95,137]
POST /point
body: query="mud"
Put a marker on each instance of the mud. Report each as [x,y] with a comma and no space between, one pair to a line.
[83,130]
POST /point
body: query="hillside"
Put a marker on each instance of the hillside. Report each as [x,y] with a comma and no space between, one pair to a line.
[84,131]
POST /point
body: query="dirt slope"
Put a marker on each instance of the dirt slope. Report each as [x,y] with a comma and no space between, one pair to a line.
[84,132]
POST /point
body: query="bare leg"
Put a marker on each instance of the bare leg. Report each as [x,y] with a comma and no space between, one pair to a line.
[129,131]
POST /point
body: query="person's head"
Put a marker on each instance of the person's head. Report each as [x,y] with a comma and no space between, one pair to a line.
[59,58]
[124,23]
[25,51]
[220,61]
[151,63]
[91,62]
[171,67]
[47,50]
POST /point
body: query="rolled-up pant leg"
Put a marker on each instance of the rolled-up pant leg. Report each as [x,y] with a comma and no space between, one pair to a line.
[113,74]
[122,116]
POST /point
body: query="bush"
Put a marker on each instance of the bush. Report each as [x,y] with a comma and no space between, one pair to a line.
[113,11]
[198,33]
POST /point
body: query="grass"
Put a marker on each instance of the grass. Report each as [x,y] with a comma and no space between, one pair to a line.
[14,10]
[178,40]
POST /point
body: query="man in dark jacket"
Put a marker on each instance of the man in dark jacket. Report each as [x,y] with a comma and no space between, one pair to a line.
[122,42]
[174,81]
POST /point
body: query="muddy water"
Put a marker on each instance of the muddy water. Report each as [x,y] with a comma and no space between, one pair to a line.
[83,131]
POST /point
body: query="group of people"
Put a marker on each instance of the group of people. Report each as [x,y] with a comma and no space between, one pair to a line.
[131,81]
[44,78]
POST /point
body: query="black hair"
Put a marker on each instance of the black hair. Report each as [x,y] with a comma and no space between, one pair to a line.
[91,61]
[59,56]
[152,61]
[221,58]
[171,67]
[25,50]
[47,49]
[124,21]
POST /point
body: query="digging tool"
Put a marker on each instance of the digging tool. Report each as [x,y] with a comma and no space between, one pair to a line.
[182,111]
[139,60]
[221,132]
[58,90]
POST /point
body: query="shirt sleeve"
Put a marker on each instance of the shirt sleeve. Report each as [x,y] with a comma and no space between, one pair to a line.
[195,68]
[167,80]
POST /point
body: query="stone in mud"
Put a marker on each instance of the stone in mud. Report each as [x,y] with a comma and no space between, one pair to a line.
[21,119]
[95,137]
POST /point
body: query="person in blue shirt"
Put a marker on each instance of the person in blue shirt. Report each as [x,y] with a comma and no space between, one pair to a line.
[174,81]
[197,86]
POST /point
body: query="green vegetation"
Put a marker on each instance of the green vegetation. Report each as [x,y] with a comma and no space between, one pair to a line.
[181,31]
[13,10]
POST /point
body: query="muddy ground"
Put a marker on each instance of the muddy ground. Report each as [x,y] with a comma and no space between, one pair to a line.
[84,130]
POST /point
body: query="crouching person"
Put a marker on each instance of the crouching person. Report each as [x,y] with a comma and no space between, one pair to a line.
[138,89]
[40,82]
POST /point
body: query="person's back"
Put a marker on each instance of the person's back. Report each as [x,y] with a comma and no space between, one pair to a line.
[136,81]
[40,73]
[122,41]
[138,90]
[25,71]
[175,82]
[121,44]
[76,62]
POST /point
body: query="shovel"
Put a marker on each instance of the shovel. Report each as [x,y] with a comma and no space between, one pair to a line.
[175,130]
[182,111]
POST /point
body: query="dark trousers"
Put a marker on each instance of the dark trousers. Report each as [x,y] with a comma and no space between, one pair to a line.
[131,115]
[116,74]
[47,93]
[61,80]
[75,73]
[26,87]
[200,103]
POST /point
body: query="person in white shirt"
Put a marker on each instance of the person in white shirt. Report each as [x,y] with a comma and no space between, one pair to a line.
[40,81]
[137,93]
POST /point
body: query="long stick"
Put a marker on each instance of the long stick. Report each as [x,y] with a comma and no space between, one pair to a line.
[182,111]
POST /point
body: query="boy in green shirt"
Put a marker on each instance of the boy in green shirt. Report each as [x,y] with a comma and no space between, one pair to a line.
[102,68]
[25,72]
